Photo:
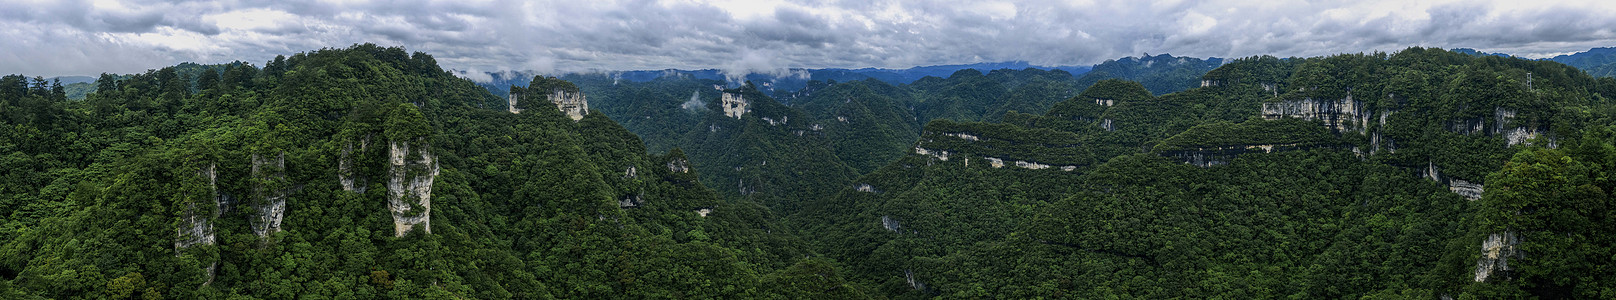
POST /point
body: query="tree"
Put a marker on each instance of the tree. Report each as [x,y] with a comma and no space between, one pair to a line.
[58,92]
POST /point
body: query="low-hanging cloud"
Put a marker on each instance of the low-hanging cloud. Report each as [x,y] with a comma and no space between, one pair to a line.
[739,37]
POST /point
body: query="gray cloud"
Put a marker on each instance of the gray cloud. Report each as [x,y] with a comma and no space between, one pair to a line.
[77,37]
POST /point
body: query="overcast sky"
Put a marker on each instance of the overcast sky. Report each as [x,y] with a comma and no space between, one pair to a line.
[83,37]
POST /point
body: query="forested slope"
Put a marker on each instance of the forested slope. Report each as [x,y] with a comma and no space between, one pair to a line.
[364,172]
[1419,174]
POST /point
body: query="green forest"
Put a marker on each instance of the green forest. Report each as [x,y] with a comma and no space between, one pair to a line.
[371,172]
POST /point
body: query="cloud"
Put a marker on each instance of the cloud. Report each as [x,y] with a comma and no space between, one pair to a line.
[475,75]
[80,37]
[695,104]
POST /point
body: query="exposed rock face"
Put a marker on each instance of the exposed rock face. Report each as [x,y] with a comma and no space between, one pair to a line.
[1495,254]
[964,136]
[735,106]
[510,102]
[571,103]
[628,201]
[1207,157]
[891,224]
[704,212]
[864,187]
[345,170]
[272,208]
[409,184]
[1104,102]
[939,154]
[909,276]
[995,162]
[1106,123]
[679,165]
[772,122]
[1464,188]
[196,225]
[1339,115]
[1031,165]
[1469,190]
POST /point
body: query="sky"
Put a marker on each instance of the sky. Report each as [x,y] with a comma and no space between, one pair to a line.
[87,37]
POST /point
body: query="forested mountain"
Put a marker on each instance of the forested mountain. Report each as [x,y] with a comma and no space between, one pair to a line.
[1161,74]
[370,172]
[364,172]
[1420,174]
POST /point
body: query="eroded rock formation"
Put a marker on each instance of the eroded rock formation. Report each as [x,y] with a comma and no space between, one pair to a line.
[346,174]
[1341,115]
[571,103]
[411,171]
[196,225]
[1496,251]
[735,105]
[270,190]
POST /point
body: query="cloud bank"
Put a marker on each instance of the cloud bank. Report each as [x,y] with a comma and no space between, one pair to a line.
[81,37]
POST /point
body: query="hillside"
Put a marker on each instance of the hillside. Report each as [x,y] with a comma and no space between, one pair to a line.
[365,172]
[1419,174]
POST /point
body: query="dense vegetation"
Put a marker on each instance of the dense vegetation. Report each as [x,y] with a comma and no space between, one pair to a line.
[1356,216]
[97,195]
[1419,174]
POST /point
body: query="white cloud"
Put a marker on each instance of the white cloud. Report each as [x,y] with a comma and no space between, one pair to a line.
[77,37]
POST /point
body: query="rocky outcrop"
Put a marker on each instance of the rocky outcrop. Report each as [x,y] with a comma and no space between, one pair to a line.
[679,165]
[346,175]
[891,224]
[270,191]
[704,212]
[909,276]
[1215,156]
[1461,187]
[510,102]
[411,172]
[1469,190]
[196,223]
[964,136]
[734,105]
[864,187]
[1105,102]
[1106,123]
[938,154]
[1495,254]
[1341,115]
[996,163]
[628,201]
[571,103]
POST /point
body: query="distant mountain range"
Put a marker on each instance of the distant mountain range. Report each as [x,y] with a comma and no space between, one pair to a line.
[795,80]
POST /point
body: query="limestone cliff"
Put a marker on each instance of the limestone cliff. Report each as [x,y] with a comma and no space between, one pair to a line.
[734,105]
[196,223]
[1340,115]
[1495,254]
[411,172]
[346,173]
[571,103]
[270,193]
[566,97]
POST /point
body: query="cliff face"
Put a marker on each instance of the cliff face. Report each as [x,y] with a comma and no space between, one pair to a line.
[1340,115]
[571,103]
[409,184]
[346,173]
[566,97]
[270,192]
[196,227]
[734,105]
[1496,251]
